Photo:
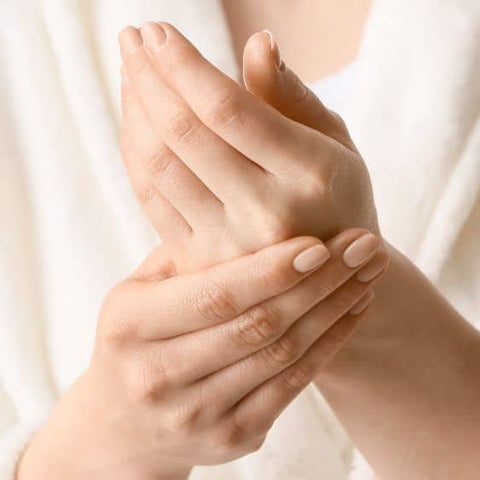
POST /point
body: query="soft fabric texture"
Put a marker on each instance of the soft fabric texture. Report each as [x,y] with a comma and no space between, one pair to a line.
[71,227]
[336,90]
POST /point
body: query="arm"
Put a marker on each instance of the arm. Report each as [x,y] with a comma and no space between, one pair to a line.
[415,345]
[413,368]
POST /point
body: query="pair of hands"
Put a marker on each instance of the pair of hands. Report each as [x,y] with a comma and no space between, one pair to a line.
[197,354]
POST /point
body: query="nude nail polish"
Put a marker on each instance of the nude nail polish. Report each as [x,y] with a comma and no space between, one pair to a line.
[361,250]
[311,258]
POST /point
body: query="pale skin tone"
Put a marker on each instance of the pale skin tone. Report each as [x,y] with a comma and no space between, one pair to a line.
[413,352]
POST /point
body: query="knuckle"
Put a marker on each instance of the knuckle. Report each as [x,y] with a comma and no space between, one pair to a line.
[275,228]
[159,163]
[215,302]
[183,417]
[224,109]
[147,381]
[182,126]
[315,184]
[258,325]
[229,436]
[146,193]
[298,376]
[281,352]
[257,442]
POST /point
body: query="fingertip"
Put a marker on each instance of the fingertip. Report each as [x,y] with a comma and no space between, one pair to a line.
[259,64]
[130,40]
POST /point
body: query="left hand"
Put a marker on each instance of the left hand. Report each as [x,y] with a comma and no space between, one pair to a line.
[214,165]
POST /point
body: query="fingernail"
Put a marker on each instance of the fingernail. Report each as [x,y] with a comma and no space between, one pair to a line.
[363,303]
[130,40]
[277,56]
[370,271]
[153,35]
[361,250]
[311,258]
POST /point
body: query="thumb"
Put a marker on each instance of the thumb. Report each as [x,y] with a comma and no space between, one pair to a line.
[267,77]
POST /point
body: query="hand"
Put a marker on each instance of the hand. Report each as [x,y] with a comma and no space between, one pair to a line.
[212,164]
[193,369]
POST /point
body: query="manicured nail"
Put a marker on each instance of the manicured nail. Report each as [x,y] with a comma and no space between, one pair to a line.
[311,258]
[361,250]
[153,35]
[363,303]
[370,271]
[277,56]
[130,40]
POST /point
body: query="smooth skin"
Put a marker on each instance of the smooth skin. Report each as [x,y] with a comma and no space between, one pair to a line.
[245,166]
[415,363]
[193,369]
[318,37]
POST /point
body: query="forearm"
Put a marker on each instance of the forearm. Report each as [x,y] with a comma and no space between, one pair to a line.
[407,387]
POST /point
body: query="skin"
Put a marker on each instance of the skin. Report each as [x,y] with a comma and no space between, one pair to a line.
[317,48]
[432,352]
[415,353]
[196,138]
[145,409]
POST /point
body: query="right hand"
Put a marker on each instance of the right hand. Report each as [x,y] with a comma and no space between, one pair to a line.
[194,369]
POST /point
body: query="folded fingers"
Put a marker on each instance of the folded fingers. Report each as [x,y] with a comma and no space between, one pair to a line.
[164,185]
[208,156]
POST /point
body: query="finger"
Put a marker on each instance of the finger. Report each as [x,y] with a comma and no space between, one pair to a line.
[259,409]
[152,165]
[247,374]
[199,300]
[252,127]
[267,77]
[204,153]
[166,219]
[219,346]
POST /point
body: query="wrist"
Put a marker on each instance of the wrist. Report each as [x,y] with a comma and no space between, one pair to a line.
[74,444]
[405,367]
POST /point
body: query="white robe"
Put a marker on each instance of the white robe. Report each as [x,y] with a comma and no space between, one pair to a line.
[71,227]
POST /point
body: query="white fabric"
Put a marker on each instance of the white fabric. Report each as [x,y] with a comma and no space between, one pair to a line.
[336,90]
[71,227]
